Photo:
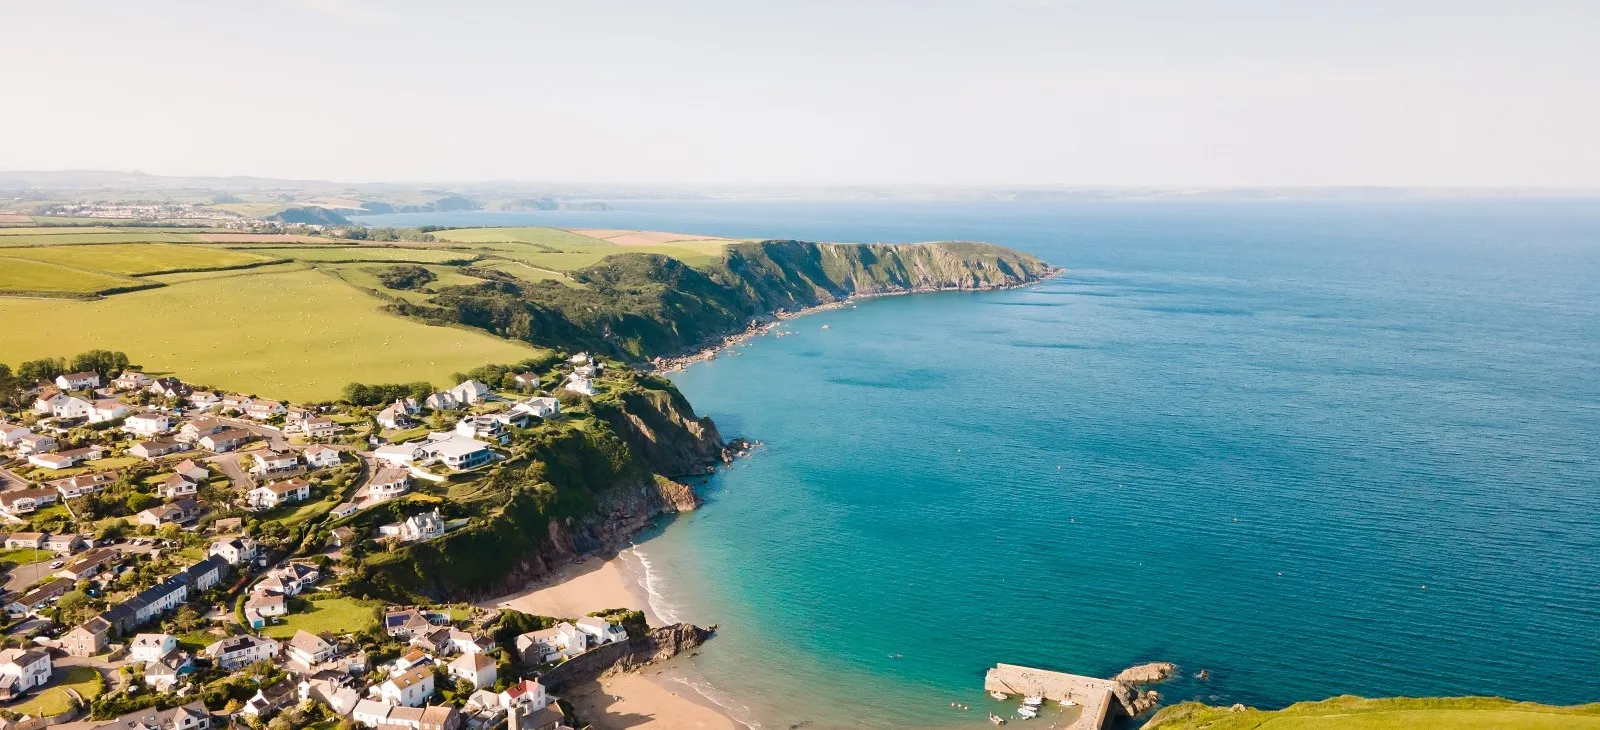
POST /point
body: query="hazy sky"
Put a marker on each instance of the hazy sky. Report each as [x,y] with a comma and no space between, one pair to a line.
[979,92]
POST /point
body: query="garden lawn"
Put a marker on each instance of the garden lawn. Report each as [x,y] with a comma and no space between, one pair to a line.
[335,615]
[299,335]
[137,258]
[26,556]
[53,700]
[37,276]
[1355,713]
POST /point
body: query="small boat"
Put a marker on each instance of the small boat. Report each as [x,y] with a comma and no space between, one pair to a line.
[825,326]
[1033,701]
[996,719]
[1027,713]
[999,695]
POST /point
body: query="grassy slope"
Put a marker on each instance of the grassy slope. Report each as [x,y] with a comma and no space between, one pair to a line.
[1355,713]
[366,253]
[296,334]
[136,258]
[336,615]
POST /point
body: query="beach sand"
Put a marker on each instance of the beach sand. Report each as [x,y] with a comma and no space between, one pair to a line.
[593,584]
[638,702]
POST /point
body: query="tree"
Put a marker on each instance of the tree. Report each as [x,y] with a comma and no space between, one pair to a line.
[43,369]
[139,502]
[104,362]
[464,687]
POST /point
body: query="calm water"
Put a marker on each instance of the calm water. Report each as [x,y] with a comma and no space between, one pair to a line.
[1314,448]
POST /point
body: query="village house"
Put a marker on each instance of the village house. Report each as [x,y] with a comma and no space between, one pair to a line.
[38,598]
[525,695]
[235,402]
[441,401]
[238,651]
[65,459]
[457,453]
[163,673]
[192,470]
[477,668]
[176,512]
[107,410]
[131,380]
[151,647]
[273,495]
[344,535]
[487,428]
[30,540]
[23,501]
[267,604]
[203,400]
[270,462]
[404,623]
[400,454]
[342,700]
[318,456]
[192,716]
[526,381]
[224,441]
[345,509]
[36,443]
[309,650]
[200,427]
[405,662]
[148,604]
[47,400]
[601,631]
[410,689]
[204,575]
[11,434]
[579,384]
[76,486]
[539,407]
[262,410]
[562,641]
[87,639]
[416,528]
[393,417]
[318,427]
[147,423]
[388,483]
[78,381]
[22,670]
[64,543]
[440,717]
[88,565]
[236,550]
[471,391]
[150,450]
[168,388]
[175,486]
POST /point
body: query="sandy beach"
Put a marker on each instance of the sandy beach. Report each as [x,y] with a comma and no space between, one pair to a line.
[638,702]
[576,590]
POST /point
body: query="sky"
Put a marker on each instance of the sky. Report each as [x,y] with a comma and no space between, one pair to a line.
[971,92]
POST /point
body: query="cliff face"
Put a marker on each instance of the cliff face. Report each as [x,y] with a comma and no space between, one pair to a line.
[640,306]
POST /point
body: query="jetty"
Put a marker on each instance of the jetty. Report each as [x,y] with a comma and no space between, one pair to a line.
[1098,697]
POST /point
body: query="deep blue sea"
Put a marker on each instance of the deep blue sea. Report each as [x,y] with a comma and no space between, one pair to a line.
[1314,448]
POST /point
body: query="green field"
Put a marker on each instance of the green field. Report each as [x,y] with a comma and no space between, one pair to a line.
[136,258]
[545,236]
[37,276]
[53,700]
[75,235]
[366,277]
[345,254]
[25,556]
[296,334]
[1355,713]
[334,615]
[526,271]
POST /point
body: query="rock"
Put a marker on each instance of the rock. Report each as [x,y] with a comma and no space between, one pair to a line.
[1147,673]
[1238,707]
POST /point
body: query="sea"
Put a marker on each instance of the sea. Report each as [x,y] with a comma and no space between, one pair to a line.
[1313,448]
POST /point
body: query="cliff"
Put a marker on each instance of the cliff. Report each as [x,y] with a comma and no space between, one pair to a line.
[573,487]
[636,653]
[639,306]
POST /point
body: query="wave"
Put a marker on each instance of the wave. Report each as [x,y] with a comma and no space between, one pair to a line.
[734,709]
[650,581]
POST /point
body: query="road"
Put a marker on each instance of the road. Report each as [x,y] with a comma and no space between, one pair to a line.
[24,575]
[9,480]
[230,467]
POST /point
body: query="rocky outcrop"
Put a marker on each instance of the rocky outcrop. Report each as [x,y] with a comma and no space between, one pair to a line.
[1150,673]
[636,653]
[1135,701]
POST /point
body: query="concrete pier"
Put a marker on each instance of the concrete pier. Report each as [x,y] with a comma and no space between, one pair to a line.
[1097,696]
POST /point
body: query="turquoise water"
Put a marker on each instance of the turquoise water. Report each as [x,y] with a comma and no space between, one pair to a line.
[1313,448]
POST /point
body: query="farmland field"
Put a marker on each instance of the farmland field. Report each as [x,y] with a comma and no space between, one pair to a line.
[1355,713]
[24,275]
[333,254]
[334,615]
[546,236]
[136,258]
[296,334]
[87,235]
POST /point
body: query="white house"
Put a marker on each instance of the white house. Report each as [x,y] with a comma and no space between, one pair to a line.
[262,410]
[22,670]
[271,462]
[526,381]
[151,647]
[69,407]
[411,688]
[36,443]
[308,649]
[441,401]
[23,501]
[318,427]
[175,486]
[236,551]
[424,526]
[525,695]
[131,380]
[63,459]
[76,381]
[371,713]
[321,457]
[147,423]
[236,402]
[579,384]
[400,454]
[562,641]
[395,416]
[149,450]
[272,495]
[204,400]
[540,407]
[237,651]
[487,428]
[192,470]
[224,441]
[389,483]
[601,631]
[471,391]
[458,453]
[11,434]
[82,484]
[476,668]
[107,409]
[266,603]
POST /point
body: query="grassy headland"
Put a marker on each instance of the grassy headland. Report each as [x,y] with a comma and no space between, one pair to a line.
[1399,713]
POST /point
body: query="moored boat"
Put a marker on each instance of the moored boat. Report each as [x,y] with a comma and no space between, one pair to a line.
[997,694]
